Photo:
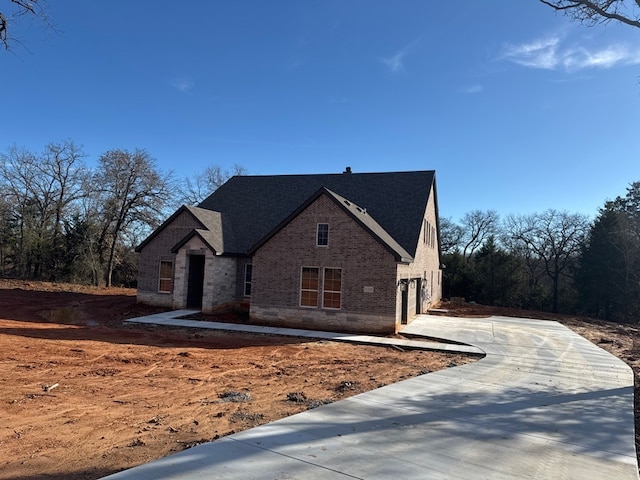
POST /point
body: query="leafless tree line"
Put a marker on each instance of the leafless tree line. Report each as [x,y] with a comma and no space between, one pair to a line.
[553,260]
[521,260]
[63,221]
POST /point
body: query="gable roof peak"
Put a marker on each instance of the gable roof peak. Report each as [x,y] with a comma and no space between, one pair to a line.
[255,204]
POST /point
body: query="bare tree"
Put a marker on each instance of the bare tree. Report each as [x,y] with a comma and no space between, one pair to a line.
[553,237]
[450,236]
[40,189]
[8,221]
[14,11]
[477,227]
[532,268]
[29,194]
[61,163]
[195,189]
[131,191]
[591,12]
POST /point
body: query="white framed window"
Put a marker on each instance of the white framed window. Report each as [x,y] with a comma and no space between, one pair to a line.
[332,288]
[165,278]
[309,286]
[248,278]
[322,235]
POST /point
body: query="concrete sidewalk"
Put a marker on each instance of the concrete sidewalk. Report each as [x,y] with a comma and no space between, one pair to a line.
[543,404]
[174,319]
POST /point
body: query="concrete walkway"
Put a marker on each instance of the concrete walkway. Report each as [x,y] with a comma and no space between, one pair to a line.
[174,319]
[543,404]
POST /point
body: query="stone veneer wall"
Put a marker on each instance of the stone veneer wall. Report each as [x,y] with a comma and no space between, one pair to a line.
[322,319]
[219,277]
[223,288]
[368,274]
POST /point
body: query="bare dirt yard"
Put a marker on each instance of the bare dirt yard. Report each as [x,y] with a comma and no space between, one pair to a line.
[82,395]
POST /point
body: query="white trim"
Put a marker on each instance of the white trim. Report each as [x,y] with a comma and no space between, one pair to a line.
[324,272]
[318,235]
[307,289]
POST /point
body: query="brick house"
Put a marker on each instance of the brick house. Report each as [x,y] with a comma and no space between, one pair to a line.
[355,252]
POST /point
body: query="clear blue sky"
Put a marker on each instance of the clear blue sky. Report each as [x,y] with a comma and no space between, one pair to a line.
[516,108]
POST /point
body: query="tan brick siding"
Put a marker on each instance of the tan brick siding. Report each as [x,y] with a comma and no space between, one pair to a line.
[426,265]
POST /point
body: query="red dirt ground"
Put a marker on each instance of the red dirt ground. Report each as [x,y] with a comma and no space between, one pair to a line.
[125,395]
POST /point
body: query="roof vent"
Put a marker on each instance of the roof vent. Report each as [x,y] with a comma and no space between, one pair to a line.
[347,170]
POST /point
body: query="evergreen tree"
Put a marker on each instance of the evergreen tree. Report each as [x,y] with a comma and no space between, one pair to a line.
[609,272]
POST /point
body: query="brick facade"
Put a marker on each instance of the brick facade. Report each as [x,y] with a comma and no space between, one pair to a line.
[220,272]
[219,277]
[423,276]
[160,249]
[368,274]
[384,280]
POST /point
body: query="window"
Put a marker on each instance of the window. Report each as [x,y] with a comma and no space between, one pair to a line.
[309,286]
[424,231]
[248,274]
[332,291]
[165,283]
[427,232]
[322,238]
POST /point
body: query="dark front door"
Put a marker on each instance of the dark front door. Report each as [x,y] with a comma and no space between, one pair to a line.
[404,315]
[196,281]
[418,296]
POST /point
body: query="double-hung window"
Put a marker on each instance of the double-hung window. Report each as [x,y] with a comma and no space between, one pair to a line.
[332,288]
[322,235]
[309,286]
[311,290]
[165,282]
[248,276]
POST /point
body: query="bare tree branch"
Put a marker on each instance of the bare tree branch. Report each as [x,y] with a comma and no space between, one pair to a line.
[477,227]
[591,12]
[21,8]
[196,188]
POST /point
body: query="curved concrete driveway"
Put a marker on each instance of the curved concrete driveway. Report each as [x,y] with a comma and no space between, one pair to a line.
[543,404]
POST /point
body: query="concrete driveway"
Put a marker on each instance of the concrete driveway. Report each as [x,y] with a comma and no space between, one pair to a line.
[543,404]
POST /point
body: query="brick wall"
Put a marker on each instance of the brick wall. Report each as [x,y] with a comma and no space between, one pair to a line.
[160,249]
[219,273]
[426,265]
[368,274]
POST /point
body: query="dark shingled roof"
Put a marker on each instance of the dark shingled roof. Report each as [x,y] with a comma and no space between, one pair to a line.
[252,206]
